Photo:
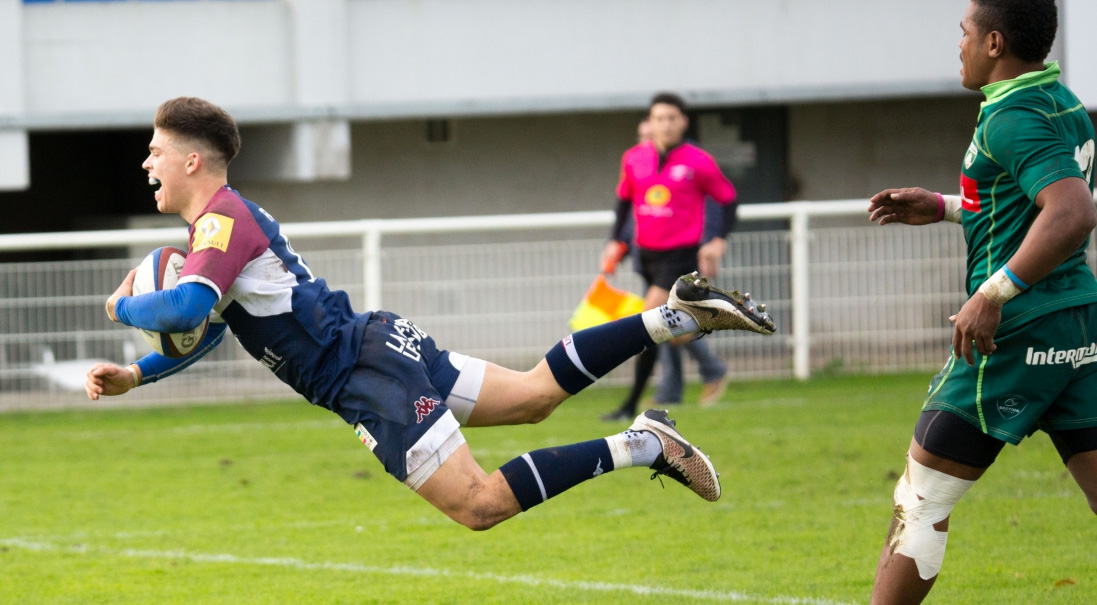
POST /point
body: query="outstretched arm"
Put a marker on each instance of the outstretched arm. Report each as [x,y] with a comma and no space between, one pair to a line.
[110,379]
[913,206]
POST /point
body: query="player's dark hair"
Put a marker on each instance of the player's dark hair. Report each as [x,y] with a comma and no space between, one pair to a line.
[201,121]
[1028,26]
[668,98]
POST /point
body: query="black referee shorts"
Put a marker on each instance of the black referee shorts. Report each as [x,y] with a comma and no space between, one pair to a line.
[663,267]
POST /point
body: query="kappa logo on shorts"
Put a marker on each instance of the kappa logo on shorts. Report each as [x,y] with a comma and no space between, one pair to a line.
[424,407]
[1011,406]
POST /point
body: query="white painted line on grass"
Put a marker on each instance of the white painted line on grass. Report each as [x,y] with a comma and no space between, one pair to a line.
[526,580]
[234,427]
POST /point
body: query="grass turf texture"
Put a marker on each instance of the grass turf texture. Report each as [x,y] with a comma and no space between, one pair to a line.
[280,503]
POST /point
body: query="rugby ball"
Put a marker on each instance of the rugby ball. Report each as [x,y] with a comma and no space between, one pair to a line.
[160,271]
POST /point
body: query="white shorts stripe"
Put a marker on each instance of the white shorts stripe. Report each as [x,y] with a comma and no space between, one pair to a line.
[432,450]
[573,355]
[536,475]
[466,389]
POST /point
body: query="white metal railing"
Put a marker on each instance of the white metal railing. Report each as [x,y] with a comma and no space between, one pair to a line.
[861,298]
[371,232]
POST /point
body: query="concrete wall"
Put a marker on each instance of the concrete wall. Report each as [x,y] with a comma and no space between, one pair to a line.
[110,63]
[490,165]
[543,95]
[557,163]
[1078,30]
[847,150]
[14,163]
[116,61]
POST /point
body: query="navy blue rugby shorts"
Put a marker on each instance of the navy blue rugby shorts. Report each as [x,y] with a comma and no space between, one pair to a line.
[396,397]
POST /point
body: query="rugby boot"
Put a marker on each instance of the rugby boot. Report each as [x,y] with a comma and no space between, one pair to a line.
[716,309]
[680,460]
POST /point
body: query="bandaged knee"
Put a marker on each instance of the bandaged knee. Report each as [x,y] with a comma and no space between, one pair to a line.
[923,498]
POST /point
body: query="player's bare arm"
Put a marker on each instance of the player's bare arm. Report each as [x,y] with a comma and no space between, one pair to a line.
[910,206]
[1066,218]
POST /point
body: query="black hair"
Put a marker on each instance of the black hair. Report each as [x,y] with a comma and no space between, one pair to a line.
[1028,26]
[668,98]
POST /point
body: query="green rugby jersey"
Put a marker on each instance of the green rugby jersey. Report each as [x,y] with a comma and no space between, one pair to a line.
[1032,131]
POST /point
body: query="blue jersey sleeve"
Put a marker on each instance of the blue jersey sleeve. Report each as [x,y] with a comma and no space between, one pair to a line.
[155,366]
[176,309]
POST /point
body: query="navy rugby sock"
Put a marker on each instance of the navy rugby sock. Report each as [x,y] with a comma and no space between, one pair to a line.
[587,355]
[542,474]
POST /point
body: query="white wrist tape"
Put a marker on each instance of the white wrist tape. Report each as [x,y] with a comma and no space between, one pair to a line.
[999,288]
[924,497]
[136,380]
[953,207]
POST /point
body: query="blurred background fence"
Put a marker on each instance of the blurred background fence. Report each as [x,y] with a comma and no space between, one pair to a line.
[845,298]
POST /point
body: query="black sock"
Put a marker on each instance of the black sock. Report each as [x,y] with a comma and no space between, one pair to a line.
[645,366]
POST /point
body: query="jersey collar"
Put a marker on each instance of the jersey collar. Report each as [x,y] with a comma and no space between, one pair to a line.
[999,90]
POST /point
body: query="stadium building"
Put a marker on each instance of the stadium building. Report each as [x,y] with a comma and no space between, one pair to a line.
[402,108]
[419,109]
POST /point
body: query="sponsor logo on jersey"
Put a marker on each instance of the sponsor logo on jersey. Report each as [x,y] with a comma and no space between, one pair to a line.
[657,195]
[424,407]
[1053,357]
[364,436]
[1083,154]
[972,153]
[680,172]
[598,469]
[272,360]
[212,231]
[1011,406]
[969,194]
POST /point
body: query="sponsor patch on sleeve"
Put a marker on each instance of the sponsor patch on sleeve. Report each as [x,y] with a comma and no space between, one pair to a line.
[212,231]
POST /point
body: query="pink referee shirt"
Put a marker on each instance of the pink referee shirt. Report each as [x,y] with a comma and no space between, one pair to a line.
[669,204]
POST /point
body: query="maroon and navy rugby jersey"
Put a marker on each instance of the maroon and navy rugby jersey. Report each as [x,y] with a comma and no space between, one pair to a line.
[282,314]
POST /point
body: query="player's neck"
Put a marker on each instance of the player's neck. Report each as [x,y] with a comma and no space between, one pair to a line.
[665,147]
[201,196]
[1013,68]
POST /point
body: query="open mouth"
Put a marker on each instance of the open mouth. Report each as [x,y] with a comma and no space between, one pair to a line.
[153,181]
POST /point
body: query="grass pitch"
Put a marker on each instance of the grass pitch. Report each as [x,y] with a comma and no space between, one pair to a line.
[279,503]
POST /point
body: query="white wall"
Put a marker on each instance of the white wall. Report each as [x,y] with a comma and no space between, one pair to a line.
[583,53]
[119,60]
[111,63]
[14,164]
[1078,29]
[96,64]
